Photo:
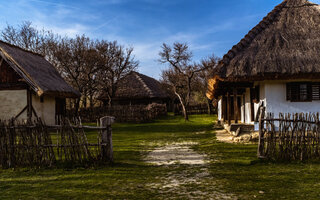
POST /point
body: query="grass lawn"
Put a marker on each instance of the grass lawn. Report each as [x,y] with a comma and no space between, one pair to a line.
[233,170]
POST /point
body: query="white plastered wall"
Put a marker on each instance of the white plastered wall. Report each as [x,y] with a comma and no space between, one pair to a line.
[276,101]
[273,95]
[46,110]
[14,101]
[220,109]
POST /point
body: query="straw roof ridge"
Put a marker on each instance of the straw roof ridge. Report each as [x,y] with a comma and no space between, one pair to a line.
[39,74]
[285,42]
[22,49]
[138,86]
[252,34]
[144,84]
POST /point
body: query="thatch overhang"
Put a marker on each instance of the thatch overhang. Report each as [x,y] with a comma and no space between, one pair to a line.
[136,86]
[284,45]
[37,72]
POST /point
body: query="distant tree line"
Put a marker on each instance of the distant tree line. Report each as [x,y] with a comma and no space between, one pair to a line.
[94,67]
[90,66]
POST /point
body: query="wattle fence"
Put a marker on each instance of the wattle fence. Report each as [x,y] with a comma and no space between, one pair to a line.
[122,113]
[196,109]
[35,144]
[289,137]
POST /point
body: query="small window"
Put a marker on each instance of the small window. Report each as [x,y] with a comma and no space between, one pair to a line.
[41,99]
[299,92]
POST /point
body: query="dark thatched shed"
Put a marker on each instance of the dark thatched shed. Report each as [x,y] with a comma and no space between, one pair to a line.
[138,89]
[30,86]
[276,65]
[36,71]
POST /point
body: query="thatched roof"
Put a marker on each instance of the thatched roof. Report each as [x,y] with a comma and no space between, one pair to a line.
[284,45]
[139,86]
[40,75]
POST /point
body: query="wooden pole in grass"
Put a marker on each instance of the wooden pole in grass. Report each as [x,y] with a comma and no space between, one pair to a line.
[106,138]
[261,133]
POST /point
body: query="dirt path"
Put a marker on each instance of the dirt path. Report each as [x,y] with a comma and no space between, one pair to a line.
[192,181]
[177,153]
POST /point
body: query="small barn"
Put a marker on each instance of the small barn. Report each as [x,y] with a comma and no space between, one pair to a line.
[276,65]
[30,86]
[138,89]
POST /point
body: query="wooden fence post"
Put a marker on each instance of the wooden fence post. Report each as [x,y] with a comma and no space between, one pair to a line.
[106,137]
[261,133]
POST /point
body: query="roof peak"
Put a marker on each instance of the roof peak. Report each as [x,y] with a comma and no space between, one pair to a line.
[289,34]
[297,2]
[138,75]
[25,50]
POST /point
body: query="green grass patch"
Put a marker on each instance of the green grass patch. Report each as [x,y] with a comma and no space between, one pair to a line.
[234,169]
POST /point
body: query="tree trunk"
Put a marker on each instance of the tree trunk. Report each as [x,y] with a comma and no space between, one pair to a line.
[184,110]
[209,107]
[77,105]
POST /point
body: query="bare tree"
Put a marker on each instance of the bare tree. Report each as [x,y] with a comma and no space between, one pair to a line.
[181,72]
[117,62]
[27,37]
[89,66]
[77,60]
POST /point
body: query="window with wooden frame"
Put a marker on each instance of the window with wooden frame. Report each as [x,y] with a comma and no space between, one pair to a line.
[303,91]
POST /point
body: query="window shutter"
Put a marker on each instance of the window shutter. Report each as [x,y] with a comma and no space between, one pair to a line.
[309,91]
[294,91]
[289,91]
[316,91]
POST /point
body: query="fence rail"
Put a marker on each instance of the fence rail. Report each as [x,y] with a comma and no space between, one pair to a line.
[123,113]
[290,136]
[196,109]
[35,144]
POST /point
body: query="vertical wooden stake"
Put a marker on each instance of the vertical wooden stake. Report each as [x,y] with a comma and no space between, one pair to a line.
[106,143]
[29,105]
[261,133]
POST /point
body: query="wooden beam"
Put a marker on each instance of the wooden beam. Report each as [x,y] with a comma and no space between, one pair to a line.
[223,108]
[235,105]
[34,112]
[1,61]
[229,108]
[20,113]
[29,104]
[13,86]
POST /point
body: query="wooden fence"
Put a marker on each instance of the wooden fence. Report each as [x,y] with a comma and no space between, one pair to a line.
[122,113]
[195,109]
[35,144]
[289,137]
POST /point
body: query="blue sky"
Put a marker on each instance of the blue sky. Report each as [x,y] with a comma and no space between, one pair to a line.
[208,26]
